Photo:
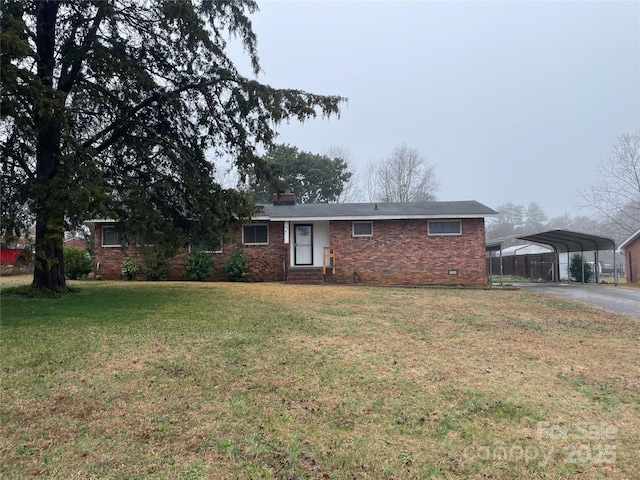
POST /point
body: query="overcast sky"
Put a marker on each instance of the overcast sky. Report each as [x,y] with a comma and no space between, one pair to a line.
[511,101]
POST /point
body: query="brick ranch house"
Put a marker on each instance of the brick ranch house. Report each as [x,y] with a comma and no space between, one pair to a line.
[344,243]
[631,248]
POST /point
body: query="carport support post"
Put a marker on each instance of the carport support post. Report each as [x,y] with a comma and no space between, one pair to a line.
[596,276]
[582,263]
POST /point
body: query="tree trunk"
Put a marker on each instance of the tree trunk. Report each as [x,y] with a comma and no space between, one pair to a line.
[47,191]
[49,262]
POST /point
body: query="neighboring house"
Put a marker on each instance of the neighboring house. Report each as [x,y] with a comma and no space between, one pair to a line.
[9,256]
[10,252]
[76,243]
[631,249]
[526,249]
[16,256]
[368,243]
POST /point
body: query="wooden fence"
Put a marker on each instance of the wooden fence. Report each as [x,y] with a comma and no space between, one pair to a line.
[537,267]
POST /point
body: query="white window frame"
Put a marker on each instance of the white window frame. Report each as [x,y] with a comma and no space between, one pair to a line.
[353,229]
[111,245]
[437,234]
[266,225]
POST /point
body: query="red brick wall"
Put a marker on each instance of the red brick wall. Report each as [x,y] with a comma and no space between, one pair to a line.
[401,252]
[264,262]
[632,264]
[107,261]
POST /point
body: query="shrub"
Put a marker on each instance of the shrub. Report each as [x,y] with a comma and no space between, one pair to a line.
[25,258]
[129,268]
[198,266]
[575,268]
[156,266]
[235,266]
[77,263]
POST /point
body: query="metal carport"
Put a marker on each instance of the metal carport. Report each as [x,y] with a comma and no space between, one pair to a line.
[566,241]
[494,246]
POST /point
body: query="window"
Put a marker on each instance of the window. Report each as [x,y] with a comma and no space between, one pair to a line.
[362,229]
[445,228]
[255,234]
[145,240]
[213,246]
[112,237]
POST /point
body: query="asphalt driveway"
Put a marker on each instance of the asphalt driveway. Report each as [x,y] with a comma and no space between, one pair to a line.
[612,298]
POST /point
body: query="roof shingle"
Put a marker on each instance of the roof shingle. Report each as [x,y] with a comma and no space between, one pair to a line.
[377,211]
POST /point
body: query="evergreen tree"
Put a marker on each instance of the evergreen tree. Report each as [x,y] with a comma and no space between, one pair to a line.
[108,108]
[577,265]
[313,178]
[536,219]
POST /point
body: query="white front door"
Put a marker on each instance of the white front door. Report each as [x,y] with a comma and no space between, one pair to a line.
[303,244]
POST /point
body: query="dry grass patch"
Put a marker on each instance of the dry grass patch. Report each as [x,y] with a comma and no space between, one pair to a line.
[11,280]
[288,382]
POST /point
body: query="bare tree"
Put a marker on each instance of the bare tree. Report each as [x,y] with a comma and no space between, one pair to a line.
[350,192]
[404,176]
[616,197]
[369,181]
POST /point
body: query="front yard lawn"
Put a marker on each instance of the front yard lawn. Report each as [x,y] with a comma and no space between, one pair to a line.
[213,380]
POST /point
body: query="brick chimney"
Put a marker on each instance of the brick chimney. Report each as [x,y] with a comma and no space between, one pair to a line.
[284,198]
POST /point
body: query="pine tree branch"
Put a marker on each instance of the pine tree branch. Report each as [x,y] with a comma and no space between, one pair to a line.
[119,125]
[71,71]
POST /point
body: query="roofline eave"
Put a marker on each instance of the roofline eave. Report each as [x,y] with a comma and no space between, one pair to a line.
[290,218]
